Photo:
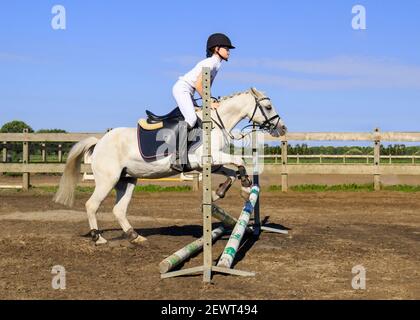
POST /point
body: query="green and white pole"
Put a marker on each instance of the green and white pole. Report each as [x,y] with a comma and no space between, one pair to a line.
[225,218]
[235,239]
[182,254]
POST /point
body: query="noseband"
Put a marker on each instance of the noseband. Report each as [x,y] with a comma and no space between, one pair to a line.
[266,125]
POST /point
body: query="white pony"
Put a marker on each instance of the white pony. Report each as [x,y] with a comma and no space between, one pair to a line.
[117,163]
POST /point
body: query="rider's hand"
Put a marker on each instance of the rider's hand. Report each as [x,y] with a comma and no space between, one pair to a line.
[214,104]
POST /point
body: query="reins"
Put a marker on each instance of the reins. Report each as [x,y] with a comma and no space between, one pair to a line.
[265,126]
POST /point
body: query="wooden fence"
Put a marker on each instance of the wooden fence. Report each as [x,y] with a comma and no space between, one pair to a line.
[376,169]
[343,158]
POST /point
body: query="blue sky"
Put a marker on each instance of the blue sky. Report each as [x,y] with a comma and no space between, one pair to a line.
[117,58]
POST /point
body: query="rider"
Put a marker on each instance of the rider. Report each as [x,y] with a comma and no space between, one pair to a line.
[218,46]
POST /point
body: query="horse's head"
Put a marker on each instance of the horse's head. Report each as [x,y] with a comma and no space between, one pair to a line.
[265,115]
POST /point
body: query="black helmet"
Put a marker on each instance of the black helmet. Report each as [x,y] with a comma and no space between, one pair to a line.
[218,40]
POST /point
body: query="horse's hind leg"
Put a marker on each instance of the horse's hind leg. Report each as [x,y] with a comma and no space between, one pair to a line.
[125,188]
[102,189]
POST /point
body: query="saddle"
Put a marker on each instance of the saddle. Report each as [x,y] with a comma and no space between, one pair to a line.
[174,114]
[158,136]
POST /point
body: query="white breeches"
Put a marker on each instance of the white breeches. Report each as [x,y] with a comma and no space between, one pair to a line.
[183,94]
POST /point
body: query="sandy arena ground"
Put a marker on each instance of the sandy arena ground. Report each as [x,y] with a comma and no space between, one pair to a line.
[330,234]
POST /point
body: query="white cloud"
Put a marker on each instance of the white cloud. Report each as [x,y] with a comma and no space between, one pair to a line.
[11,57]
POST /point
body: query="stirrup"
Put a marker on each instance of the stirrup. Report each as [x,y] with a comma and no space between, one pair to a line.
[177,167]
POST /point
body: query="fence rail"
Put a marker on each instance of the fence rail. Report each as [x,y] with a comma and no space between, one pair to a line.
[342,157]
[281,165]
[375,169]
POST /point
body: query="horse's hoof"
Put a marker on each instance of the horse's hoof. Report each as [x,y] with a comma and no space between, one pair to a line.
[214,196]
[96,237]
[134,237]
[246,182]
[139,240]
[101,240]
[224,187]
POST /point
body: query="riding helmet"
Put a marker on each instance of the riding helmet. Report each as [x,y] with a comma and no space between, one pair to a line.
[218,40]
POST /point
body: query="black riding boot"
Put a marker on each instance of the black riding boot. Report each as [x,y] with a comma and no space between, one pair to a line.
[181,160]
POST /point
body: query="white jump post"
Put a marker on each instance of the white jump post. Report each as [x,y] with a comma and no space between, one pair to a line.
[257,226]
[256,180]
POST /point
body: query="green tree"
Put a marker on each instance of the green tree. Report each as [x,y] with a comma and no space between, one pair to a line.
[15,126]
[354,151]
[52,147]
[51,131]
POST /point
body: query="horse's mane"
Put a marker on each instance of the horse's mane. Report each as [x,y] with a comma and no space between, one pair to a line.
[233,95]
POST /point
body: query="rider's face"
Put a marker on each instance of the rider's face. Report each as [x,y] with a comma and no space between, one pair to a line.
[224,52]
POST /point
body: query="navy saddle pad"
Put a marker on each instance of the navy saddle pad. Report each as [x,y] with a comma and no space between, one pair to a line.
[158,136]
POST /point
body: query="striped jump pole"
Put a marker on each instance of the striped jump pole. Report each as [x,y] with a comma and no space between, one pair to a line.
[225,218]
[190,249]
[230,222]
[238,232]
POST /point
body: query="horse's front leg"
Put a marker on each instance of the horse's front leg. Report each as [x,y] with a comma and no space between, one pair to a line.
[230,175]
[222,158]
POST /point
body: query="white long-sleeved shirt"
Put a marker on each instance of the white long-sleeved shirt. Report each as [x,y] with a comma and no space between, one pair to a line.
[214,63]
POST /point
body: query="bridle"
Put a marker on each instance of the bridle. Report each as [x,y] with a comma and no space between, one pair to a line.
[266,125]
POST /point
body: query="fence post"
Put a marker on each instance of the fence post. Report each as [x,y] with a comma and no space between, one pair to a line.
[297,158]
[376,161]
[4,151]
[25,160]
[195,181]
[43,153]
[390,158]
[284,175]
[60,153]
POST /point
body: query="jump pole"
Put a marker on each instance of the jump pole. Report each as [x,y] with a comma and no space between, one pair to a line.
[229,221]
[184,253]
[238,232]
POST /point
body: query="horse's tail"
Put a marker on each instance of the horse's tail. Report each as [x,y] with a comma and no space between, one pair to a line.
[71,175]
